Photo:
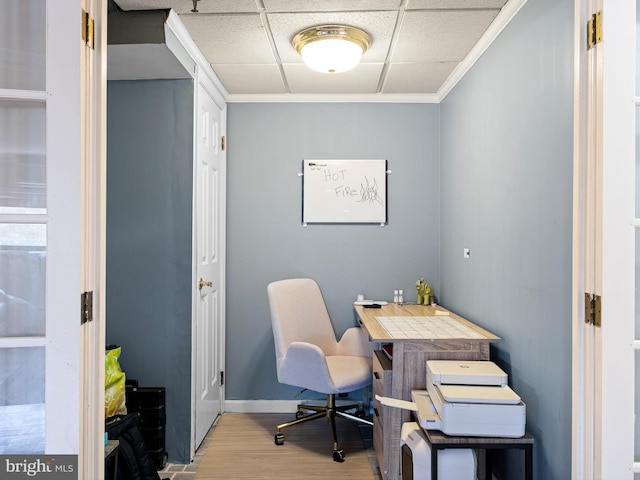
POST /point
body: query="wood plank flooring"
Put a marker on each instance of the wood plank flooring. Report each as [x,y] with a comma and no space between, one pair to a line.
[241,446]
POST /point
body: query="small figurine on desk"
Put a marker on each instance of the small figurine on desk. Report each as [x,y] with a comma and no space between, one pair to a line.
[425,293]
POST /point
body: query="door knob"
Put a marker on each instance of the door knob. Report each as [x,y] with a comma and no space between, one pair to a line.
[203,283]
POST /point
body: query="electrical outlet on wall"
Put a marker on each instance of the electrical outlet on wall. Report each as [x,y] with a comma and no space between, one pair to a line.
[466,253]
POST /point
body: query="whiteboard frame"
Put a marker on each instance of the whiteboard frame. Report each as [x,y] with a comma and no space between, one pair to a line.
[332,213]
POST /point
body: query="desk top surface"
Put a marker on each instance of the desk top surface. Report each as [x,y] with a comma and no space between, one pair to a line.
[377,331]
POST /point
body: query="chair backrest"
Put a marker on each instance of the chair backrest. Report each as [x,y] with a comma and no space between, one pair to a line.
[299,314]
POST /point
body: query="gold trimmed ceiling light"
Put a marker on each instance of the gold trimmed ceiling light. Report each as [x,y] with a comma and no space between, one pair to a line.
[331,48]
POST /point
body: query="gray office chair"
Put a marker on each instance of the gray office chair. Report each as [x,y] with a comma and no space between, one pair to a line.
[308,355]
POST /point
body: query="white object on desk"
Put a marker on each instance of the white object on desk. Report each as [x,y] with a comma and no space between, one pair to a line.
[459,372]
[478,394]
[370,302]
[472,399]
[464,419]
[479,419]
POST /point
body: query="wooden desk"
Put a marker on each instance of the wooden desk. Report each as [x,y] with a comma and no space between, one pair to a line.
[409,370]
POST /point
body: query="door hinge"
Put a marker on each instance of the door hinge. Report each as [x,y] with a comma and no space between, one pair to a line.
[594,30]
[223,143]
[593,309]
[86,307]
[87,29]
[221,377]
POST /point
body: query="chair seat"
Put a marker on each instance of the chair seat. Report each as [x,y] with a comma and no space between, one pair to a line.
[349,373]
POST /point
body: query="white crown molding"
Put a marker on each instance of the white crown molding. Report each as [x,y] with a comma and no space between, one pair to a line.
[332,98]
[499,23]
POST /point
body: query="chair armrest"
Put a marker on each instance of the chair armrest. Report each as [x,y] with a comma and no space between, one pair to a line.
[304,365]
[356,343]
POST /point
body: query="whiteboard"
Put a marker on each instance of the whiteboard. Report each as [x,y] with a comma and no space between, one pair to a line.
[344,191]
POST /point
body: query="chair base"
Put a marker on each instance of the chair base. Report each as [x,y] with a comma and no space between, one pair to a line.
[330,411]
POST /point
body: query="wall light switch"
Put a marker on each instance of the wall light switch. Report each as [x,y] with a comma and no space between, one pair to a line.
[466,253]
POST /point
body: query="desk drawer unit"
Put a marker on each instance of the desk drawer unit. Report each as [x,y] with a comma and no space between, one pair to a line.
[382,376]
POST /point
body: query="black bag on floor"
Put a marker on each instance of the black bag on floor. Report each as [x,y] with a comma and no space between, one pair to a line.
[134,461]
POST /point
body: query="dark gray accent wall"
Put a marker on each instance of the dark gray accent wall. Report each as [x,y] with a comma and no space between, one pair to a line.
[266,240]
[149,205]
[506,172]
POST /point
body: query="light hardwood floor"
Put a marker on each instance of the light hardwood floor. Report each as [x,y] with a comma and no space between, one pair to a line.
[241,446]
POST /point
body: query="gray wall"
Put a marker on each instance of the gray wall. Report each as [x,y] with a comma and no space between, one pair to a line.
[506,172]
[497,156]
[489,169]
[149,204]
[266,240]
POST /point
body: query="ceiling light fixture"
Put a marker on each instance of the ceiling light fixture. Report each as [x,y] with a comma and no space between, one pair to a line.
[331,48]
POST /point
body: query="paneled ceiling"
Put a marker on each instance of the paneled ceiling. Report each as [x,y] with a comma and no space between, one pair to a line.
[417,44]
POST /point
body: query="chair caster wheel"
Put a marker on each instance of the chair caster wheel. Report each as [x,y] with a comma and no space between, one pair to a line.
[338,456]
[299,414]
[279,439]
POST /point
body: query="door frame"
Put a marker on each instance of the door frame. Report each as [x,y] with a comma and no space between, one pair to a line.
[603,242]
[201,72]
[75,143]
[93,247]
[582,338]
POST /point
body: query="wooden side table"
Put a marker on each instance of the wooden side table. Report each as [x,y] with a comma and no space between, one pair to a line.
[439,441]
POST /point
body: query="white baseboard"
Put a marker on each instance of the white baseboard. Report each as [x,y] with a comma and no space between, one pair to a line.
[274,406]
[260,406]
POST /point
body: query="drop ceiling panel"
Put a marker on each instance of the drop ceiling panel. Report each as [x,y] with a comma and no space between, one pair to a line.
[432,36]
[453,4]
[230,39]
[329,5]
[417,77]
[250,79]
[363,79]
[415,42]
[379,25]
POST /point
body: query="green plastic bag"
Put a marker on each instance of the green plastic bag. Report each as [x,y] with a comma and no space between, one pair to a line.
[114,384]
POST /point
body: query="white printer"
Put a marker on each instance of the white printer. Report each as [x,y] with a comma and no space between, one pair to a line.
[469,398]
[453,463]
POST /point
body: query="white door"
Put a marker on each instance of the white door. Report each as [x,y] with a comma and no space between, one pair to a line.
[41,219]
[209,234]
[605,244]
[614,391]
